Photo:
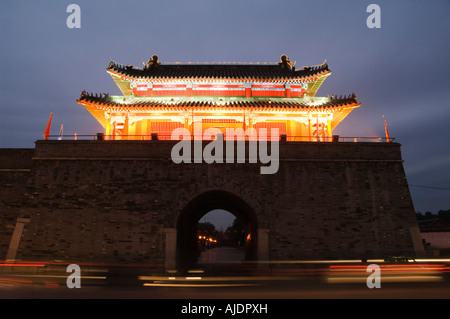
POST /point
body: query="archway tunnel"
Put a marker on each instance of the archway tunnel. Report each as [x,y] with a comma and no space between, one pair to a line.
[187,230]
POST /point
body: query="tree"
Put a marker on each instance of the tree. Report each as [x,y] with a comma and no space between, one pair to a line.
[208,227]
[425,216]
[206,236]
[444,215]
[236,233]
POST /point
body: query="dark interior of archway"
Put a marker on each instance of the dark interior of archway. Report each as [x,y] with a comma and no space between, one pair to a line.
[187,249]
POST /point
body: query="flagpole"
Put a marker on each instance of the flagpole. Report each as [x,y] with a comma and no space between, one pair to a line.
[61,130]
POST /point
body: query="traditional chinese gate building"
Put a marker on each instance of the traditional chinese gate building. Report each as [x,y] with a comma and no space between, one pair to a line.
[121,199]
[159,98]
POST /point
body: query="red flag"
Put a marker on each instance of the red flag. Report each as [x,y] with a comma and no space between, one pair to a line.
[386,130]
[47,129]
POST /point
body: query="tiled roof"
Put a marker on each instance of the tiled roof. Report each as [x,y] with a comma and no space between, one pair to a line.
[155,70]
[435,224]
[105,100]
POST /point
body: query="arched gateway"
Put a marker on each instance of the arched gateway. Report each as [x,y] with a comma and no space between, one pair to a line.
[186,250]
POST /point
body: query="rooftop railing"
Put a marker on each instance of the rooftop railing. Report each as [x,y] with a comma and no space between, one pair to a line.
[168,137]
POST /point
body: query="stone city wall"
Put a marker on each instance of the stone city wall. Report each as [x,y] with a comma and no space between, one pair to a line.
[112,201]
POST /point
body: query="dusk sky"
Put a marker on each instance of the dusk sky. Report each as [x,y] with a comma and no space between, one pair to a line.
[400,70]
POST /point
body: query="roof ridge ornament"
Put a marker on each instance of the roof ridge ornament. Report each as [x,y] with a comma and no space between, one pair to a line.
[285,62]
[152,62]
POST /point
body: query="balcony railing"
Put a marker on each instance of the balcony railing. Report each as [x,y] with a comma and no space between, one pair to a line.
[163,137]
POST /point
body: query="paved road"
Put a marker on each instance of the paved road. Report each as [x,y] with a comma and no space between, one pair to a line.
[222,255]
[219,278]
[244,287]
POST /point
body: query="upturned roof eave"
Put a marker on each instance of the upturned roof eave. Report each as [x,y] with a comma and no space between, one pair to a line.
[289,106]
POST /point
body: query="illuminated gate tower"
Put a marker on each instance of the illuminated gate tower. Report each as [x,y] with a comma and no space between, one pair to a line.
[159,98]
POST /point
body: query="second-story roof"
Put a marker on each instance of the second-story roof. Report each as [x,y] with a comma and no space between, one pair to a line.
[283,70]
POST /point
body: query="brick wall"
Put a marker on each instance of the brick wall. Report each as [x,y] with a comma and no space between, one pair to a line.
[15,168]
[109,201]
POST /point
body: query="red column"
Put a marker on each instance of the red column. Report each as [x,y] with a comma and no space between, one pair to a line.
[287,88]
[248,90]
[114,131]
[188,89]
